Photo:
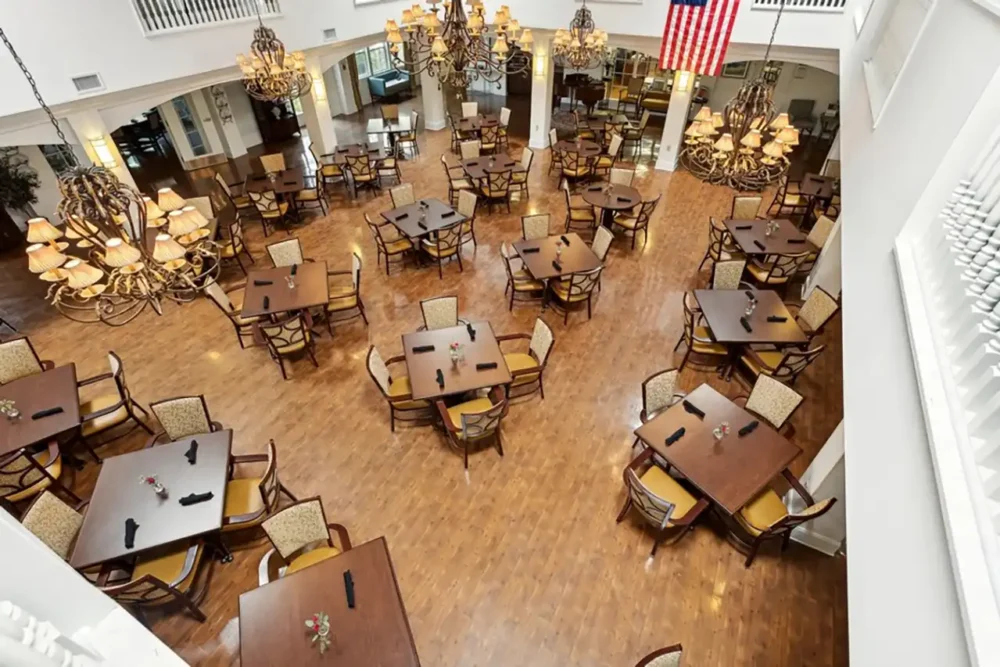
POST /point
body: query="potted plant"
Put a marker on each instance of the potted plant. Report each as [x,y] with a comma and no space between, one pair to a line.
[18,183]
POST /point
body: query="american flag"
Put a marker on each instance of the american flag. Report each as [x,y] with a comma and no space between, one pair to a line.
[697,34]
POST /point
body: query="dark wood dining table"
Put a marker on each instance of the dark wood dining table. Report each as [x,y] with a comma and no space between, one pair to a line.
[576,257]
[611,198]
[312,288]
[286,182]
[376,632]
[724,308]
[597,124]
[434,216]
[120,495]
[340,155]
[730,471]
[458,378]
[583,147]
[389,127]
[751,236]
[478,168]
[31,394]
[816,188]
[477,123]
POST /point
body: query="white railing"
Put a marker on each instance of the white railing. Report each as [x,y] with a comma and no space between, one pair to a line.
[802,5]
[159,16]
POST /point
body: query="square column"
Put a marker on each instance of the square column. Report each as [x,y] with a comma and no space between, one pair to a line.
[433,98]
[672,140]
[89,128]
[201,105]
[316,110]
[542,81]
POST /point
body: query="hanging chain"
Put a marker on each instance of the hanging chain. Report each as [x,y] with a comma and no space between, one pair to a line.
[38,95]
[774,31]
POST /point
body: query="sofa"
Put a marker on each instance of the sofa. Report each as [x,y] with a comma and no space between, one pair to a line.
[388,84]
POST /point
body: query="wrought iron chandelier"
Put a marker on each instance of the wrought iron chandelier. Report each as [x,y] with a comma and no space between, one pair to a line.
[125,264]
[457,49]
[270,74]
[731,148]
[583,46]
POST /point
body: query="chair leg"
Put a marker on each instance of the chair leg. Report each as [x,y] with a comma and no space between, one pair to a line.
[392,419]
[361,307]
[466,454]
[684,360]
[541,387]
[786,540]
[656,543]
[312,355]
[753,553]
[284,489]
[625,509]
[499,442]
[193,608]
[281,365]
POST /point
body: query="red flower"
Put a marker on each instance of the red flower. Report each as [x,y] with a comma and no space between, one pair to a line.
[150,480]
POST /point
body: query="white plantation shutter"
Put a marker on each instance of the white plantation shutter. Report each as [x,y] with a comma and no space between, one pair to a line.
[892,47]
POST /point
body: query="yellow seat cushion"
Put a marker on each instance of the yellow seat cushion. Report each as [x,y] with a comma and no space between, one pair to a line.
[282,209]
[431,248]
[762,512]
[168,568]
[242,202]
[561,290]
[706,348]
[488,147]
[793,200]
[400,386]
[105,422]
[311,194]
[605,161]
[476,405]
[229,251]
[243,497]
[519,361]
[760,273]
[387,163]
[330,170]
[519,177]
[626,221]
[664,486]
[396,247]
[460,184]
[43,483]
[576,173]
[294,347]
[525,282]
[770,357]
[585,134]
[487,192]
[342,298]
[317,555]
[364,178]
[582,215]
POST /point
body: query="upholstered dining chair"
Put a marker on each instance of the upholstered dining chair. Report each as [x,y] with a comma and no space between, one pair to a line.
[575,167]
[535,227]
[475,421]
[636,133]
[818,236]
[504,126]
[390,111]
[519,179]
[697,338]
[659,392]
[721,245]
[174,574]
[787,199]
[439,312]
[775,270]
[402,195]
[785,364]
[555,155]
[660,500]
[602,243]
[301,535]
[271,211]
[286,253]
[312,195]
[771,400]
[109,409]
[288,338]
[235,245]
[468,202]
[767,518]
[583,130]
[396,390]
[456,180]
[527,368]
[469,149]
[470,109]
[241,203]
[252,499]
[578,289]
[817,310]
[345,300]
[443,246]
[728,273]
[580,216]
[621,176]
[630,94]
[409,138]
[327,173]
[746,207]
[182,417]
[637,220]
[54,522]
[669,656]
[272,163]
[521,284]
[496,187]
[18,359]
[489,139]
[389,242]
[388,168]
[24,475]
[362,172]
[606,162]
[231,303]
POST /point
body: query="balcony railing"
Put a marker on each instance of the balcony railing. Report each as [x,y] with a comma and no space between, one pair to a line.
[160,16]
[802,5]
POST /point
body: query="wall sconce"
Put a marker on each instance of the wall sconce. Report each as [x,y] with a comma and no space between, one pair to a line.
[539,64]
[319,88]
[682,81]
[104,154]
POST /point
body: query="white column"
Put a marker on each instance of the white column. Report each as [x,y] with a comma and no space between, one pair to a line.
[675,122]
[178,137]
[433,98]
[316,109]
[225,122]
[201,107]
[824,478]
[345,90]
[542,81]
[88,127]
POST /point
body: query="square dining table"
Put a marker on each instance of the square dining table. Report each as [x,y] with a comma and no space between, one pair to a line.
[817,186]
[120,495]
[723,309]
[437,215]
[31,394]
[478,168]
[312,288]
[730,471]
[288,181]
[576,257]
[375,632]
[751,236]
[458,378]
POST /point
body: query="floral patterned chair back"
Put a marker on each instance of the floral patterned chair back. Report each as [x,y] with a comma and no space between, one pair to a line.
[602,242]
[440,312]
[183,417]
[286,253]
[817,310]
[727,274]
[745,207]
[658,391]
[53,522]
[772,400]
[18,360]
[402,195]
[541,341]
[296,527]
[534,227]
[273,163]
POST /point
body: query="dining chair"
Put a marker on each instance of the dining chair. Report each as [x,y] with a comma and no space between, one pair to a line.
[832,168]
[272,212]
[721,245]
[396,390]
[223,299]
[575,167]
[521,284]
[54,522]
[312,197]
[519,179]
[787,199]
[817,310]
[621,176]
[456,180]
[609,131]
[470,149]
[746,207]
[636,221]
[698,339]
[818,236]
[728,274]
[362,172]
[767,518]
[583,130]
[527,368]
[457,136]
[345,298]
[5,323]
[389,242]
[470,109]
[388,167]
[18,359]
[660,500]
[301,535]
[496,187]
[241,203]
[440,312]
[669,656]
[580,216]
[24,475]
[635,134]
[330,173]
[235,245]
[110,409]
[443,245]
[489,138]
[182,417]
[467,204]
[785,364]
[578,289]
[555,155]
[659,392]
[409,138]
[602,243]
[534,227]
[402,195]
[474,422]
[606,161]
[630,94]
[389,111]
[288,338]
[272,163]
[771,400]
[775,270]
[286,253]
[250,500]
[504,126]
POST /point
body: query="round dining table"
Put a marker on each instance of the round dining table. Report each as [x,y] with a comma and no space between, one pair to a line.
[582,147]
[611,198]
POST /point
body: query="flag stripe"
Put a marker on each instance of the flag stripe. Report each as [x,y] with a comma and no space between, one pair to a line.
[710,39]
[696,34]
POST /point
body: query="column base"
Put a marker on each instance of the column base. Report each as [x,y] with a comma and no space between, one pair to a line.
[435,125]
[820,543]
[666,164]
[538,144]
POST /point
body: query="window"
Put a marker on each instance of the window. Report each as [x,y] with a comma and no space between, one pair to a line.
[373,60]
[59,157]
[361,58]
[297,106]
[899,33]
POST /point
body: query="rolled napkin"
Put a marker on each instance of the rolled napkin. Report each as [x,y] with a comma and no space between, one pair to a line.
[417,349]
[749,294]
[291,181]
[349,589]
[473,164]
[564,239]
[777,318]
[623,198]
[343,150]
[694,409]
[796,241]
[472,332]
[488,366]
[749,428]
[421,225]
[294,269]
[47,412]
[758,244]
[675,436]
[448,214]
[402,216]
[192,453]
[556,265]
[746,324]
[130,527]
[595,188]
[261,283]
[195,498]
[267,302]
[744,226]
[440,378]
[527,251]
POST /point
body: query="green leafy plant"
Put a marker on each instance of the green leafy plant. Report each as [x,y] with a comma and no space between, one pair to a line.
[18,181]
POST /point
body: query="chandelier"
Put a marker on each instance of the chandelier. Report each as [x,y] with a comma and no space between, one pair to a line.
[746,146]
[270,74]
[583,46]
[457,49]
[124,263]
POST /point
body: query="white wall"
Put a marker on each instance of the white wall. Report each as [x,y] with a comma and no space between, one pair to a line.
[239,104]
[816,84]
[903,607]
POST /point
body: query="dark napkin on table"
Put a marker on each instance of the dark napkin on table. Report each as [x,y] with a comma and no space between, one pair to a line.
[417,349]
[557,265]
[472,332]
[777,318]
[486,366]
[675,436]
[473,164]
[194,498]
[749,428]
[343,150]
[746,324]
[402,216]
[530,250]
[192,453]
[744,226]
[758,244]
[564,239]
[47,412]
[448,214]
[440,378]
[130,527]
[595,188]
[349,588]
[294,269]
[267,302]
[694,409]
[421,225]
[623,198]
[261,283]
[796,241]
[749,294]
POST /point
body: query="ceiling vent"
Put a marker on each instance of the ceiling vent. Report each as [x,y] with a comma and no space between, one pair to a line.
[330,35]
[88,83]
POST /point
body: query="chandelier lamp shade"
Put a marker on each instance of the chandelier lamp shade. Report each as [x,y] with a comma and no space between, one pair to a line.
[270,73]
[583,46]
[456,48]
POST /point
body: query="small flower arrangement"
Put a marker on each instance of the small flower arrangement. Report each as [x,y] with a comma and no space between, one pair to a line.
[7,408]
[319,629]
[151,480]
[455,350]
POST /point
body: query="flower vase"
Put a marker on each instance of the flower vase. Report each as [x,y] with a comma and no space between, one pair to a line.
[454,357]
[160,490]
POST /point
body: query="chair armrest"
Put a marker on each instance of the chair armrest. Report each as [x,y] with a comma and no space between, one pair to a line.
[152,439]
[345,538]
[513,336]
[797,485]
[338,273]
[263,573]
[395,360]
[741,398]
[248,458]
[82,505]
[100,413]
[48,365]
[693,513]
[236,288]
[445,417]
[752,353]
[640,460]
[96,378]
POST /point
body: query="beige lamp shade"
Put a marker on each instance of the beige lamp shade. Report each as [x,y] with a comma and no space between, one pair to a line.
[751,139]
[168,200]
[706,129]
[80,275]
[180,223]
[692,130]
[152,210]
[780,122]
[117,253]
[704,114]
[717,120]
[40,230]
[166,248]
[725,143]
[195,216]
[438,49]
[774,149]
[42,258]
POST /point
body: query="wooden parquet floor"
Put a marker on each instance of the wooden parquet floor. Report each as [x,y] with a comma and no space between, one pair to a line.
[522,563]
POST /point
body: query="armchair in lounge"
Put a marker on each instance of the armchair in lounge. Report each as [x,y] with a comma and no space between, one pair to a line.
[389,84]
